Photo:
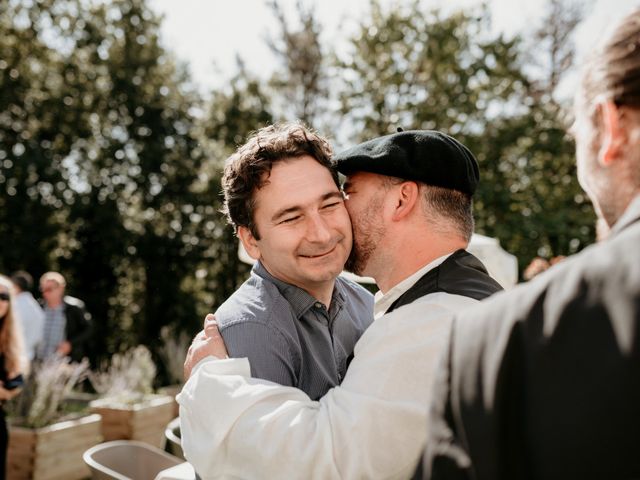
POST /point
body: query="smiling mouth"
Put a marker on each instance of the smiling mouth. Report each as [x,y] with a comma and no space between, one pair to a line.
[320,254]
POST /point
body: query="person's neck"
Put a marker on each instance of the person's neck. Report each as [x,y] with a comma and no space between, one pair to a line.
[615,212]
[412,253]
[323,293]
[54,303]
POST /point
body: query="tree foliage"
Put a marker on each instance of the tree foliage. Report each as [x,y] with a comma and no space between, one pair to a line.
[300,86]
[110,161]
[418,69]
[102,156]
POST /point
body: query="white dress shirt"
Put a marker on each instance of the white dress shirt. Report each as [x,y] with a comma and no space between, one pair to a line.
[384,301]
[371,426]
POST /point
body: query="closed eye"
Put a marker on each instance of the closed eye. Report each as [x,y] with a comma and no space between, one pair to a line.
[331,205]
[288,220]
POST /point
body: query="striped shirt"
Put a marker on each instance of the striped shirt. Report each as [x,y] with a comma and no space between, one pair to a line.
[290,337]
[55,324]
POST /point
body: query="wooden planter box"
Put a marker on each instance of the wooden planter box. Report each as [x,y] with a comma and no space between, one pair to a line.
[144,421]
[53,452]
[172,391]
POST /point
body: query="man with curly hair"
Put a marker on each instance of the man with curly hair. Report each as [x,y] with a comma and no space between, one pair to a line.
[294,318]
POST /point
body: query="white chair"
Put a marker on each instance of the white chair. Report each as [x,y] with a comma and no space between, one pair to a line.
[173,442]
[184,471]
[127,460]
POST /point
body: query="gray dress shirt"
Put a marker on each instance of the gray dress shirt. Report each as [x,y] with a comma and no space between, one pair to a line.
[290,337]
[54,331]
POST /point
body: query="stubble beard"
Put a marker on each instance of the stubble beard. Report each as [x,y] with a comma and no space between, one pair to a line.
[367,233]
[358,258]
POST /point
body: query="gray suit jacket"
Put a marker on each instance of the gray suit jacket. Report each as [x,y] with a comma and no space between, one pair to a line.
[543,382]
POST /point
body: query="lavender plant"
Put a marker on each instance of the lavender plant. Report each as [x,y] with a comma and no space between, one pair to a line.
[173,352]
[127,378]
[42,400]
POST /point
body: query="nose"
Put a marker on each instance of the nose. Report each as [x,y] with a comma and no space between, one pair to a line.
[318,230]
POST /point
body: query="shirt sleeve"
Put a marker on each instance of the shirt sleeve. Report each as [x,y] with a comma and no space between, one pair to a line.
[372,426]
[266,348]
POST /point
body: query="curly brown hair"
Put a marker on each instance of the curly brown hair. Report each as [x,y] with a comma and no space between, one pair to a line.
[248,169]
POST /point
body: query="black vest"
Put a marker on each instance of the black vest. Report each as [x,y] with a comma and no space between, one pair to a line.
[460,274]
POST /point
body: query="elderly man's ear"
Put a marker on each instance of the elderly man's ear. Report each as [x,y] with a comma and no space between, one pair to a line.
[614,133]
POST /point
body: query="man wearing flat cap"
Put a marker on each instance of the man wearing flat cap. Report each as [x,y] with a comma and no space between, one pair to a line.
[409,199]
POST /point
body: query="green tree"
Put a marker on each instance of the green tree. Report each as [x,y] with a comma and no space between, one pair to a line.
[37,131]
[300,87]
[144,168]
[101,163]
[232,114]
[552,42]
[421,69]
[556,216]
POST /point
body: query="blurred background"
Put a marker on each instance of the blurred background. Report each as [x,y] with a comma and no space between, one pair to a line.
[116,118]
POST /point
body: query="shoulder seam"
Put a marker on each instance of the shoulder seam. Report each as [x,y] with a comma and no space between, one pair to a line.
[265,325]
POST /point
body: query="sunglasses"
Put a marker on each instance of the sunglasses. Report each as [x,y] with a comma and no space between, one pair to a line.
[4,296]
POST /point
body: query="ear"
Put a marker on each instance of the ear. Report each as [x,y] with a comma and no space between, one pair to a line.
[249,242]
[613,135]
[406,200]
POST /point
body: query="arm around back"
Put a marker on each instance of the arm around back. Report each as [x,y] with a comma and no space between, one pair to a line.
[371,426]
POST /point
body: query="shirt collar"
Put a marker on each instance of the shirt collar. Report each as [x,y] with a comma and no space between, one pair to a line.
[55,309]
[298,298]
[384,301]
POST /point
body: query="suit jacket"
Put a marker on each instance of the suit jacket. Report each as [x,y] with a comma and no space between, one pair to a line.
[543,382]
[79,327]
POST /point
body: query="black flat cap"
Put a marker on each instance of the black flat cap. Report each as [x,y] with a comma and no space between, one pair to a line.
[424,156]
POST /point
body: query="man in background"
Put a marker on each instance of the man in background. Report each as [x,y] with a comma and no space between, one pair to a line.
[67,325]
[29,313]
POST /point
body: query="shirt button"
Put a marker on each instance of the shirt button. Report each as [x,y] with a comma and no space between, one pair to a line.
[318,305]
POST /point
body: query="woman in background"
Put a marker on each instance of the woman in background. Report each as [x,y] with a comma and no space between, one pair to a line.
[12,362]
